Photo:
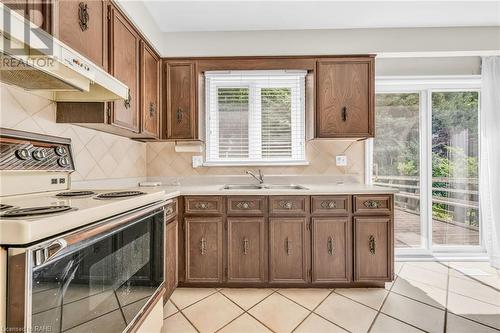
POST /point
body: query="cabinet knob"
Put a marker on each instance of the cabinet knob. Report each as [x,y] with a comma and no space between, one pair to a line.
[201,205]
[128,101]
[179,115]
[243,205]
[245,246]
[288,246]
[371,244]
[152,109]
[344,113]
[328,204]
[286,205]
[83,16]
[372,204]
[169,210]
[329,245]
[203,246]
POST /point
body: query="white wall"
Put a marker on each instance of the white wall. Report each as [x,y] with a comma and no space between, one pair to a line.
[428,66]
[472,40]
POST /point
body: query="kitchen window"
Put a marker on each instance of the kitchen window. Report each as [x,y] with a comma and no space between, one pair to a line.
[255,117]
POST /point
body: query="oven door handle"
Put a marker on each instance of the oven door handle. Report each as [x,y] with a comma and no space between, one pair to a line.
[54,249]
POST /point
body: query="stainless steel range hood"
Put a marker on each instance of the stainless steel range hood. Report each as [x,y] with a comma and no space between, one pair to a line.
[33,60]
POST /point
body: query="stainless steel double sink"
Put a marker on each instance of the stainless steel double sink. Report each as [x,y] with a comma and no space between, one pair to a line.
[263,187]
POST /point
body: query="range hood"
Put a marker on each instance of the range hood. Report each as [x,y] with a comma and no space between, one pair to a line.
[34,60]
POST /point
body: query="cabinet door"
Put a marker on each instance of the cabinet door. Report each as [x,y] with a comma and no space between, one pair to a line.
[150,85]
[345,98]
[180,100]
[37,11]
[246,249]
[331,249]
[373,247]
[82,25]
[288,250]
[171,277]
[124,65]
[203,249]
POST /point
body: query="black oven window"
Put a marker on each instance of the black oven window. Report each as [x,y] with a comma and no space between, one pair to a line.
[103,286]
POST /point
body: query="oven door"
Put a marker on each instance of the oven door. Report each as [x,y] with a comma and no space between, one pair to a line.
[94,280]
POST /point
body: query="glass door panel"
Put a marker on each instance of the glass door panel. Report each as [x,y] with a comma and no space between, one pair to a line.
[396,161]
[455,149]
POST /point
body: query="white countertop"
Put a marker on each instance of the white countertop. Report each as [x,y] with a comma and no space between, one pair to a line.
[90,210]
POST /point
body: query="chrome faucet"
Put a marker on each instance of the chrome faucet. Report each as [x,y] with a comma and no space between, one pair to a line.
[259,178]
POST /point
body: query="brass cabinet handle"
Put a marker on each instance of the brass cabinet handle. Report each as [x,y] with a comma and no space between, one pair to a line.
[329,245]
[286,205]
[372,204]
[128,101]
[203,246]
[152,109]
[179,115]
[243,205]
[371,242]
[245,246]
[288,246]
[328,204]
[83,16]
[344,113]
[201,205]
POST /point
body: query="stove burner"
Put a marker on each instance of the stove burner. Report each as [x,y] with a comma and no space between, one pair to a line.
[34,211]
[5,207]
[75,194]
[119,194]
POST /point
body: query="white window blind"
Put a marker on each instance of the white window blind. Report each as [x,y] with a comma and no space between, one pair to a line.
[255,117]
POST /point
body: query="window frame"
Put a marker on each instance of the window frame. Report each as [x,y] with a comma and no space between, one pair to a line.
[254,149]
[425,86]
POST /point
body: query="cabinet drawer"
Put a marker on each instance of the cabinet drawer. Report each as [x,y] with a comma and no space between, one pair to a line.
[373,204]
[246,205]
[170,210]
[203,205]
[288,205]
[331,205]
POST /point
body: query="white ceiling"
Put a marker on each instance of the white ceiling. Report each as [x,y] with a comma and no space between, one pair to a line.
[180,16]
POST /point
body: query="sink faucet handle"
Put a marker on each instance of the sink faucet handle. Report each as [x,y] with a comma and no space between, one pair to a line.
[261,176]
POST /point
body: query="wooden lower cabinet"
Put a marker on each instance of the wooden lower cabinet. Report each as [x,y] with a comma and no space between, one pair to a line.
[246,255]
[288,250]
[331,249]
[373,249]
[203,242]
[171,278]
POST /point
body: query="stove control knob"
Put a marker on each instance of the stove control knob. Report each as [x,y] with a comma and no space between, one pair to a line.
[63,162]
[39,154]
[23,154]
[61,151]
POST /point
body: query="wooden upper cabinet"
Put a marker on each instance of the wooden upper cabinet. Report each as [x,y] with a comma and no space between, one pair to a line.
[150,91]
[82,26]
[37,11]
[124,65]
[345,98]
[289,250]
[180,100]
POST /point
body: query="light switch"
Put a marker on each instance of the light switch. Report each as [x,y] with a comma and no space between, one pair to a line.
[197,161]
[341,160]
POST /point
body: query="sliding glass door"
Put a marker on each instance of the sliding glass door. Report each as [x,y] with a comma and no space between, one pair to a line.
[427,146]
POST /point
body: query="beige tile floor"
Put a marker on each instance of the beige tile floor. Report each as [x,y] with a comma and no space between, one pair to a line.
[462,297]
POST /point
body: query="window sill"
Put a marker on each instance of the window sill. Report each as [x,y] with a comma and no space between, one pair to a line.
[255,163]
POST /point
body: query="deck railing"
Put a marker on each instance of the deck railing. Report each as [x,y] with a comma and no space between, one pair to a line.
[454,200]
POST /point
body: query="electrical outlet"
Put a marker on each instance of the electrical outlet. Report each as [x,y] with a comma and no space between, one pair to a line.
[197,161]
[341,160]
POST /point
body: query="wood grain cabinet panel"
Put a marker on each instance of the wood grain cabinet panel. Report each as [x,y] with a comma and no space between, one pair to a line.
[289,250]
[40,12]
[373,258]
[331,249]
[203,249]
[331,205]
[345,98]
[124,65]
[288,205]
[246,255]
[89,39]
[171,278]
[150,92]
[210,205]
[372,204]
[243,205]
[180,99]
